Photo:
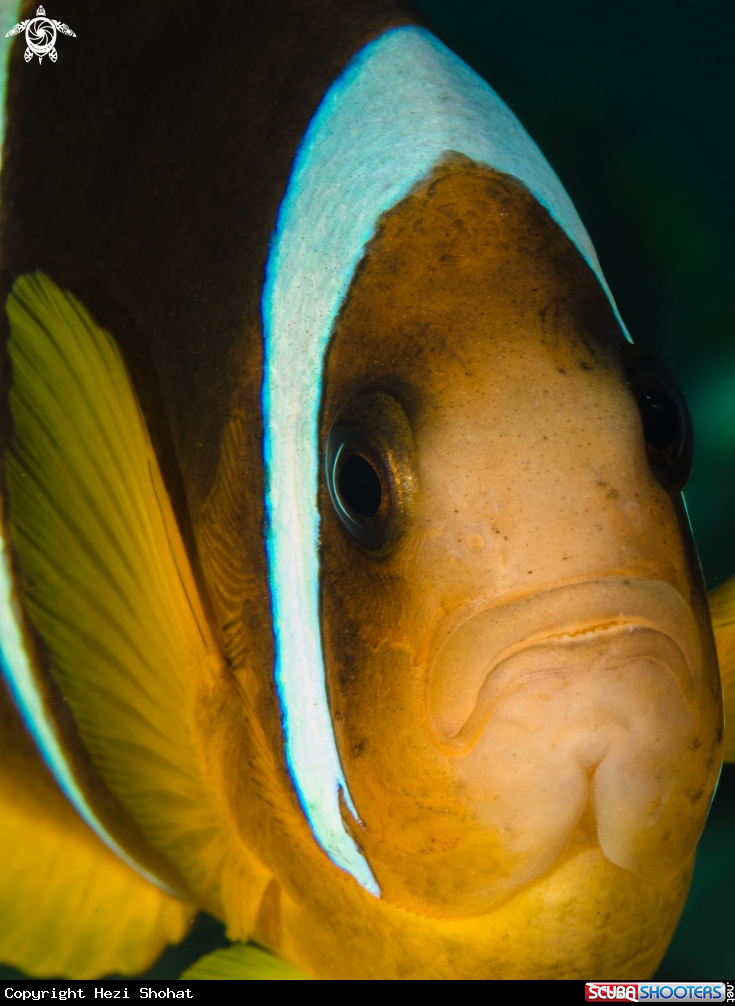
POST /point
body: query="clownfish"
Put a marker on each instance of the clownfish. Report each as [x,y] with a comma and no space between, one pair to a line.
[347,590]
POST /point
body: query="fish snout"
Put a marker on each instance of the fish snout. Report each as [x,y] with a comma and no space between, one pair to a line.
[481,655]
[571,716]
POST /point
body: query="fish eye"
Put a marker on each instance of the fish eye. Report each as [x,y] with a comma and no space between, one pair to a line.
[370,470]
[667,426]
[359,486]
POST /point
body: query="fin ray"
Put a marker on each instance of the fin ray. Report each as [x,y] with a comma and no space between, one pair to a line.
[92,914]
[106,579]
[243,963]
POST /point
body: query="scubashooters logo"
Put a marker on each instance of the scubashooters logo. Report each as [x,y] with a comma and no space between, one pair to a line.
[40,35]
[655,991]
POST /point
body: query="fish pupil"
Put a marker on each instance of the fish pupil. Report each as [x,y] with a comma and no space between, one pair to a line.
[661,419]
[359,486]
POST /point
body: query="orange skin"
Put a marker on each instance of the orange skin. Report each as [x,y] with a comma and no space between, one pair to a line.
[475,313]
[480,318]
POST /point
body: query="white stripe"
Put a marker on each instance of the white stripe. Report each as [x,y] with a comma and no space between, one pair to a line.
[399,106]
[16,669]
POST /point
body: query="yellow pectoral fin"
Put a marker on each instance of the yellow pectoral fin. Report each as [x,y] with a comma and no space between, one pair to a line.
[243,963]
[68,906]
[107,582]
[722,609]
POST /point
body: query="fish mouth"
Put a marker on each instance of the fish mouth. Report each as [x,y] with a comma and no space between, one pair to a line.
[577,718]
[482,654]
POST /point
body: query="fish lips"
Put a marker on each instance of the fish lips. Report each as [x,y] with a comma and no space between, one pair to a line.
[484,652]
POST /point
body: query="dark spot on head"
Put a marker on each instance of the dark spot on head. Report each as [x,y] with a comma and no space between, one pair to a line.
[448,209]
[585,366]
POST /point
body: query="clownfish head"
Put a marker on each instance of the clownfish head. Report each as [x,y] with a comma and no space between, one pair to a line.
[517,645]
[493,651]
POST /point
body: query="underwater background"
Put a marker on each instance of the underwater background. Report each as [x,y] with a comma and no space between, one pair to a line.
[633,105]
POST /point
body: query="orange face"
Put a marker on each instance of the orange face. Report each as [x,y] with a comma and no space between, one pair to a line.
[519,657]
